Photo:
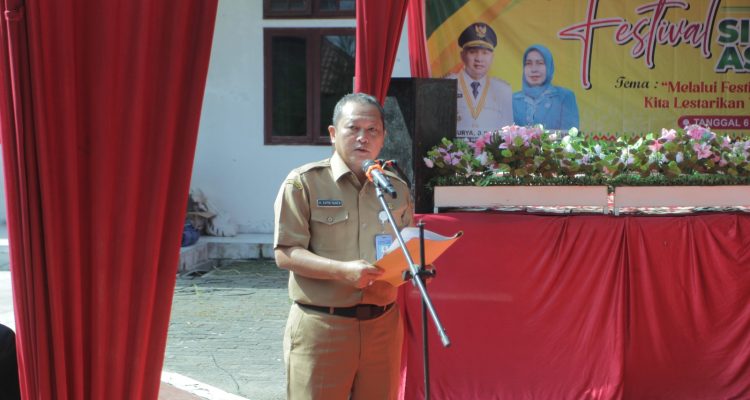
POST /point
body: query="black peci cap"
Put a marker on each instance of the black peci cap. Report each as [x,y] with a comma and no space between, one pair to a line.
[478,34]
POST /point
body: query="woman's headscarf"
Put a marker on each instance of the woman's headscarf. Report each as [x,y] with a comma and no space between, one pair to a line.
[535,91]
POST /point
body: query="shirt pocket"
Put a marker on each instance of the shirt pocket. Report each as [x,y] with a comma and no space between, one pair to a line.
[329,229]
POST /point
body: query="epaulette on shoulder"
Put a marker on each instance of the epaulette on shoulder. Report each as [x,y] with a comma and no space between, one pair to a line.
[394,175]
[314,165]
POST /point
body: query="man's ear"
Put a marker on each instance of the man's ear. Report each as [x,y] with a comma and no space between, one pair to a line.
[332,133]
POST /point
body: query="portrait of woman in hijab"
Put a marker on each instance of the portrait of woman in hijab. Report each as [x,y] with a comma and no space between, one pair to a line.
[541,102]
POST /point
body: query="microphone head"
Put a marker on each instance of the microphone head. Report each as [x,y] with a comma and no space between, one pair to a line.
[374,173]
[367,164]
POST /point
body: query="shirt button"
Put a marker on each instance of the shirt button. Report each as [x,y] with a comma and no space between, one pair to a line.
[330,219]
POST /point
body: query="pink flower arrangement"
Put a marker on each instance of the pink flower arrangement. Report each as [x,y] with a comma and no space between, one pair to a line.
[530,151]
[668,135]
[702,150]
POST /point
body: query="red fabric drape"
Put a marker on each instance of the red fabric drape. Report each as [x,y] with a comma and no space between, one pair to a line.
[379,25]
[99,109]
[587,307]
[420,68]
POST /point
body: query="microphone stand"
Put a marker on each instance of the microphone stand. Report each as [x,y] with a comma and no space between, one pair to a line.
[418,275]
[424,273]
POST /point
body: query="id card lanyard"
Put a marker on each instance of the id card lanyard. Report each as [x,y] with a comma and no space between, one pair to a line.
[382,240]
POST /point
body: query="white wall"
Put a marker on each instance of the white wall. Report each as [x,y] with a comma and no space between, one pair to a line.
[232,166]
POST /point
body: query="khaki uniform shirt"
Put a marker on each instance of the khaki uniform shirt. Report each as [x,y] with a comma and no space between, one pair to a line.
[491,110]
[323,208]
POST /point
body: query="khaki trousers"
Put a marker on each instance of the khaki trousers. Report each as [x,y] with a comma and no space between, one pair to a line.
[331,358]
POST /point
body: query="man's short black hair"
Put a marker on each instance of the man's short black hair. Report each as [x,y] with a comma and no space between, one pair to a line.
[361,98]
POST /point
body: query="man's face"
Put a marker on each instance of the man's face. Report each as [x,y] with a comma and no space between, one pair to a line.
[534,69]
[358,135]
[477,61]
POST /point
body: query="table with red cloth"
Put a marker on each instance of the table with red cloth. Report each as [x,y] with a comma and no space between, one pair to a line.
[586,307]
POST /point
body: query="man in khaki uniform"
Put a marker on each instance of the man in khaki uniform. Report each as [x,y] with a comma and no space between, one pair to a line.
[484,103]
[344,334]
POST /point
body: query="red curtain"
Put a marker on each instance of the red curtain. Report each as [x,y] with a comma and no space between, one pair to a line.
[99,110]
[420,68]
[587,307]
[379,25]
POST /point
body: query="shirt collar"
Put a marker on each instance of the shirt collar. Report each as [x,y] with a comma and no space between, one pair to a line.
[338,166]
[469,79]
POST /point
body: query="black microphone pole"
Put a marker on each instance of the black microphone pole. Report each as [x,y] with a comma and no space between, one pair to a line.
[416,279]
[423,274]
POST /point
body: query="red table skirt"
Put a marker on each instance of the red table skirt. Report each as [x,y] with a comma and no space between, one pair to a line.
[586,307]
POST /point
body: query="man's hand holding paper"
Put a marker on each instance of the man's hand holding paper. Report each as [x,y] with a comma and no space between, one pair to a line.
[394,262]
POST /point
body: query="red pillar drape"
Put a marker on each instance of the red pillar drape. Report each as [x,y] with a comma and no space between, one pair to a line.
[99,111]
[420,68]
[379,25]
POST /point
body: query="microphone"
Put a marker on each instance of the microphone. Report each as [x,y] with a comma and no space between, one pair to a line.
[375,174]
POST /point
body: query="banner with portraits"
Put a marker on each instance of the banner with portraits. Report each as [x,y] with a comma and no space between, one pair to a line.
[607,67]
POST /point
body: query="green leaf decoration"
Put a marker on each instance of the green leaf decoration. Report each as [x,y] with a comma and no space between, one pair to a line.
[517,155]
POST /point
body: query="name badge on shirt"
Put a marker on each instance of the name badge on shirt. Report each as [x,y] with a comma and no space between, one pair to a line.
[382,243]
[330,203]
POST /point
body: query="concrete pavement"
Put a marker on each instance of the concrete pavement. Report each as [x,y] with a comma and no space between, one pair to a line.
[227,326]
